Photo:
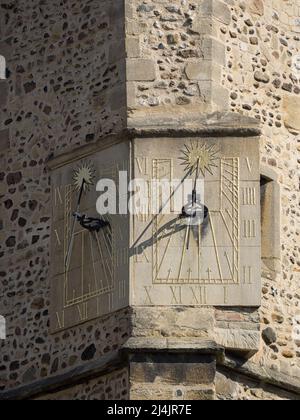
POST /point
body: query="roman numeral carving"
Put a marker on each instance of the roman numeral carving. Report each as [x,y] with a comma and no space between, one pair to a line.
[249,164]
[199,295]
[148,300]
[249,228]
[142,165]
[176,295]
[247,274]
[249,196]
[57,238]
[225,295]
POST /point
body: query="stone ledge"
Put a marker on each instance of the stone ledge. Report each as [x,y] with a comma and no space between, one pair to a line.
[173,345]
[160,123]
[238,340]
[103,366]
[189,121]
[262,374]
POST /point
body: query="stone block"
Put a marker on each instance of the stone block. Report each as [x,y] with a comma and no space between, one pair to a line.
[213,50]
[131,95]
[238,339]
[291,106]
[139,70]
[152,393]
[214,94]
[216,9]
[190,321]
[204,26]
[173,368]
[133,47]
[203,70]
[199,394]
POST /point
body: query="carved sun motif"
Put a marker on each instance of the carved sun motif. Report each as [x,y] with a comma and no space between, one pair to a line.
[199,155]
[85,172]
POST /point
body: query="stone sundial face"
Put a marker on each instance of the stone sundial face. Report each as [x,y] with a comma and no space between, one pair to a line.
[215,262]
[89,268]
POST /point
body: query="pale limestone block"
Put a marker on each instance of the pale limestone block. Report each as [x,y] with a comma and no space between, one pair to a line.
[291,106]
[204,26]
[139,69]
[216,9]
[203,70]
[133,47]
[131,94]
[214,50]
[238,339]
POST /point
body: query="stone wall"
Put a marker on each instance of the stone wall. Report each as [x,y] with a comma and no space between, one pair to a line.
[66,87]
[251,70]
[262,41]
[108,387]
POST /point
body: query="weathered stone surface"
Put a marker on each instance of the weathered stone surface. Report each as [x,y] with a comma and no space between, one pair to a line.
[256,7]
[140,70]
[291,106]
[216,9]
[133,47]
[203,70]
[4,140]
[238,339]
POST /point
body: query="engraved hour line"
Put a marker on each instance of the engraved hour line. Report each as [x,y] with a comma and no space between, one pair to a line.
[57,196]
[103,261]
[93,262]
[199,251]
[57,237]
[183,251]
[82,264]
[67,215]
[227,228]
[108,252]
[60,320]
[216,246]
[163,257]
[229,265]
[83,311]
